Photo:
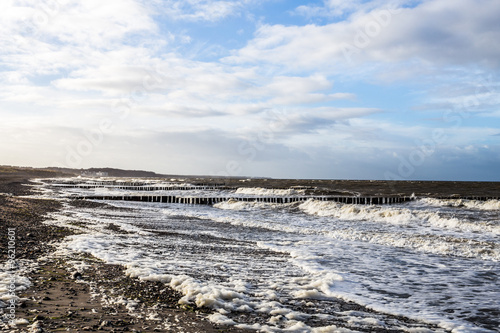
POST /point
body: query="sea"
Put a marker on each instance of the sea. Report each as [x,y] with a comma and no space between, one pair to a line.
[427,265]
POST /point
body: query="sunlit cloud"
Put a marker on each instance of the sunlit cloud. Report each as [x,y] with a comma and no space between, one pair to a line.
[335,89]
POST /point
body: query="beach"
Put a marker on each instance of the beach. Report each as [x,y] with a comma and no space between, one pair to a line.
[57,300]
[269,166]
[243,264]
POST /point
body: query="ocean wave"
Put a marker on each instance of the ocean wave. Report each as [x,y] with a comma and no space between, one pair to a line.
[149,257]
[268,191]
[233,204]
[440,245]
[470,204]
[421,239]
[394,215]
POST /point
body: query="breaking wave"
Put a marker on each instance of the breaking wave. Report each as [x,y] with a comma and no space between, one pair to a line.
[470,204]
[269,192]
[400,215]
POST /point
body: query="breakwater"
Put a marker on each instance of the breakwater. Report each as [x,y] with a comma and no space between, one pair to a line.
[266,199]
[139,192]
[146,188]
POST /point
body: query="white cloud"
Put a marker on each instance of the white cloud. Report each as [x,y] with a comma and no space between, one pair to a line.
[81,51]
[435,32]
[51,37]
[173,85]
[67,72]
[94,23]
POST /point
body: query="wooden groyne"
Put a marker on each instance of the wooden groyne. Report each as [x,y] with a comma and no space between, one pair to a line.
[477,198]
[138,187]
[266,199]
[147,188]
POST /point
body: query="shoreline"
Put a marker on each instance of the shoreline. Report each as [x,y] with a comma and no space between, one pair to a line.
[97,296]
[82,293]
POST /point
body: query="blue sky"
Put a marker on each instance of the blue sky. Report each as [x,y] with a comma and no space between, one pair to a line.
[289,89]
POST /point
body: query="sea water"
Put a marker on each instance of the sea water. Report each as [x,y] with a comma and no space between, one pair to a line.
[281,267]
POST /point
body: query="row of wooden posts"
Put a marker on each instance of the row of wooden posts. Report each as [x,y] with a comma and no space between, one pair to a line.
[278,200]
[478,198]
[205,200]
[149,188]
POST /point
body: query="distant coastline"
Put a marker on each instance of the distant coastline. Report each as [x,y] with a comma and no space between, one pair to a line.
[327,186]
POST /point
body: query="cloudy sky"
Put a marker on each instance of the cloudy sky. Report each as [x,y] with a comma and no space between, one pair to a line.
[279,88]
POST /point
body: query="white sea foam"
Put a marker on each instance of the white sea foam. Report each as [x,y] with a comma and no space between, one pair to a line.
[342,211]
[232,296]
[440,245]
[233,204]
[315,251]
[401,215]
[13,281]
[269,192]
[470,204]
[423,224]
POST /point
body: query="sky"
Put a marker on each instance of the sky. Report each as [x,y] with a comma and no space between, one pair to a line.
[332,89]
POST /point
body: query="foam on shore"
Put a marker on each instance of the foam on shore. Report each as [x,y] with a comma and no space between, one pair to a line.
[269,192]
[13,281]
[263,260]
